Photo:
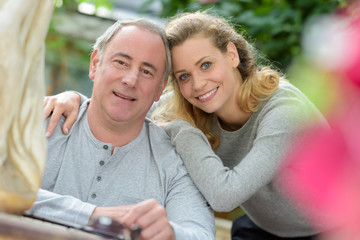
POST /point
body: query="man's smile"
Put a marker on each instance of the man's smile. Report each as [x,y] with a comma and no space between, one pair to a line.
[124,97]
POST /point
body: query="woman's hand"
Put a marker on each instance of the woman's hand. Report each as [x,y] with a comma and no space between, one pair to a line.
[67,104]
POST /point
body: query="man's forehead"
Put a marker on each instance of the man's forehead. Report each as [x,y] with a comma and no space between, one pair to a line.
[136,31]
[132,39]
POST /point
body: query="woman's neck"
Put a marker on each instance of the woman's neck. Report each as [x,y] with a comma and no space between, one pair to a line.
[233,121]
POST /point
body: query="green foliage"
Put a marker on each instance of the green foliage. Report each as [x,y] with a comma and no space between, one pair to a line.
[71,5]
[274,26]
[66,56]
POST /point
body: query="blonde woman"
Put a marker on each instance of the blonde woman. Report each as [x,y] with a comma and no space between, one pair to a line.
[232,122]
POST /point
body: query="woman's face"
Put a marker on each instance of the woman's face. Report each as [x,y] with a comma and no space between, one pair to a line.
[207,77]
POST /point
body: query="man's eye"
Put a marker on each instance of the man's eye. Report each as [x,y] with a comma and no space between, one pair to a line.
[183,77]
[120,62]
[206,65]
[147,72]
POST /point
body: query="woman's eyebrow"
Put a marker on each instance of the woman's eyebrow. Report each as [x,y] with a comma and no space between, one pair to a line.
[197,63]
[200,60]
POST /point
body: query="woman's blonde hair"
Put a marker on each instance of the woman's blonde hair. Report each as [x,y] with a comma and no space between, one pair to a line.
[258,85]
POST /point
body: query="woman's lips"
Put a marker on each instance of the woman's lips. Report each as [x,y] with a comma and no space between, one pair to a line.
[208,96]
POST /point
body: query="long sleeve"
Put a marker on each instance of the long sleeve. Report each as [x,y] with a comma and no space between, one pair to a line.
[214,180]
[184,197]
[223,187]
[61,208]
[49,204]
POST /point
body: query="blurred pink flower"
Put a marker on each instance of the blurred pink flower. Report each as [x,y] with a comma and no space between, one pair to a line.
[352,70]
[323,175]
[323,172]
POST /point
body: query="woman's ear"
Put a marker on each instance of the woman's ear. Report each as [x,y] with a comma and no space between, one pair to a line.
[94,61]
[233,54]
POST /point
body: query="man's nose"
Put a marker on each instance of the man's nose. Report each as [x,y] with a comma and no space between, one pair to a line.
[130,79]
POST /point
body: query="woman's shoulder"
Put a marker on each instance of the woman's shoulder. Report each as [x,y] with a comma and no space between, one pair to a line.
[286,88]
[291,104]
[290,94]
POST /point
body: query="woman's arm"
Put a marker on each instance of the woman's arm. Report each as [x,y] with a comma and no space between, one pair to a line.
[225,188]
[67,104]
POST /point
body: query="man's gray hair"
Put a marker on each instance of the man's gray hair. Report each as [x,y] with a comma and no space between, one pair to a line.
[104,39]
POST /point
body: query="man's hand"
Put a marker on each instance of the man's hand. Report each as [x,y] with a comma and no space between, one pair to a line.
[116,213]
[67,104]
[151,217]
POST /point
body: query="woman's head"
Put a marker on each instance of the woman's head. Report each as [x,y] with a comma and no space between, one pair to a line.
[188,25]
[253,85]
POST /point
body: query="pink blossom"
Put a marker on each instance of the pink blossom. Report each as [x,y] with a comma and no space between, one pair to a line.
[322,174]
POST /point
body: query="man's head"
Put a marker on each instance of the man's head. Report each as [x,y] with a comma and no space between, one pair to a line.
[102,41]
[129,66]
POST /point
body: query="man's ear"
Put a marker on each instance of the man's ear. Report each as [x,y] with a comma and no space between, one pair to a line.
[94,61]
[233,54]
[161,88]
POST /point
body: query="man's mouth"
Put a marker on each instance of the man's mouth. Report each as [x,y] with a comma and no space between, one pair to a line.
[207,95]
[124,97]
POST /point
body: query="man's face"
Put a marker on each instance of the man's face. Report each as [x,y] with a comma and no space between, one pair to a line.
[127,78]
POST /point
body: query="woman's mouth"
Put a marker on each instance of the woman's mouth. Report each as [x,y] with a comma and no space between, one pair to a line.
[208,96]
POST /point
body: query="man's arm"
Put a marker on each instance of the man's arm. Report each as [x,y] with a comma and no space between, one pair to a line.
[62,209]
[189,214]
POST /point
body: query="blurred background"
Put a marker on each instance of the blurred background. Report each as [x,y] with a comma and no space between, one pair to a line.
[273,26]
[279,29]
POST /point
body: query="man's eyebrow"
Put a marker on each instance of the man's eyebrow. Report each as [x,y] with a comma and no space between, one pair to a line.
[121,54]
[150,66]
[197,63]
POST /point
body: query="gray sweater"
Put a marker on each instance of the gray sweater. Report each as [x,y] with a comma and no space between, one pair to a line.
[81,173]
[242,171]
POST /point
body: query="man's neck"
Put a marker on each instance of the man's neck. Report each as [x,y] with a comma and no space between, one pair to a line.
[108,131]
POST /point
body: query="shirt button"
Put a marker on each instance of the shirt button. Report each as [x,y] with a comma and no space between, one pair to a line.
[98,178]
[105,147]
[101,163]
[93,196]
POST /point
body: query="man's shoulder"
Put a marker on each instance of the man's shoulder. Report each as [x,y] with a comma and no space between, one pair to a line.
[160,142]
[156,133]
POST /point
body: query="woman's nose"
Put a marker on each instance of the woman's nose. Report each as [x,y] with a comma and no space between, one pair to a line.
[198,82]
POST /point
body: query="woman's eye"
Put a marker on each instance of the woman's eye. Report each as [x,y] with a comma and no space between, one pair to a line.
[206,65]
[183,77]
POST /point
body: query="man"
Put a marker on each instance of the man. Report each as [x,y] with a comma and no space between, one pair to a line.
[114,161]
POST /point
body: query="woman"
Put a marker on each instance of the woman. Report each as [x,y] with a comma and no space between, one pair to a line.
[223,101]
